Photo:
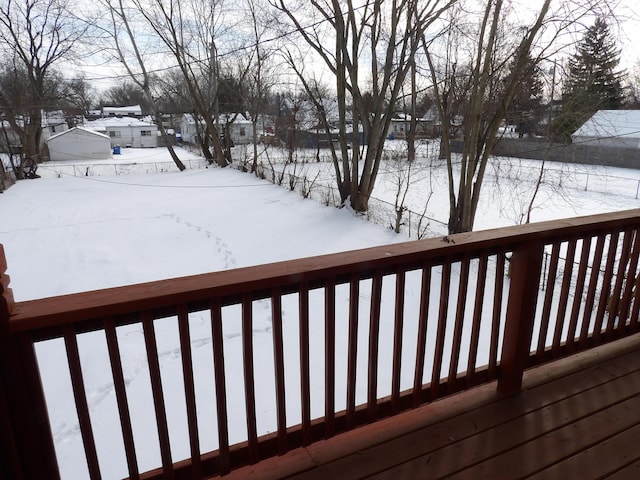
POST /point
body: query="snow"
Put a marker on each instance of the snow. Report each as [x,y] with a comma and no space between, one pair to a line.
[68,234]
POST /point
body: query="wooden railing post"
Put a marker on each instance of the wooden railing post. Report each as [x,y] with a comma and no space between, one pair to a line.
[526,264]
[25,435]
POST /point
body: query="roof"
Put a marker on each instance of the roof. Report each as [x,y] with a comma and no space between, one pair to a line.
[104,123]
[611,123]
[80,129]
[134,109]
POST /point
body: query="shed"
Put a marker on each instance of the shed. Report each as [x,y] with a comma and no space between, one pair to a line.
[79,143]
[610,128]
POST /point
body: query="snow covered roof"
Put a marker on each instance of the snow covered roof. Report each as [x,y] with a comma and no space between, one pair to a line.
[610,124]
[81,129]
[129,110]
[102,124]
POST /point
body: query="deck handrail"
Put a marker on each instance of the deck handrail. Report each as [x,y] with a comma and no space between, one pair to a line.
[570,313]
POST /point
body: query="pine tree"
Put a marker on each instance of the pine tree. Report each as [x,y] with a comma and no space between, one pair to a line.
[593,83]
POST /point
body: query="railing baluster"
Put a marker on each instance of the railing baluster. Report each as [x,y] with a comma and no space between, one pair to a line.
[577,296]
[278,360]
[591,290]
[148,330]
[374,337]
[634,320]
[477,317]
[421,345]
[441,331]
[220,384]
[121,398]
[564,295]
[631,279]
[352,348]
[548,298]
[463,283]
[249,381]
[189,390]
[605,290]
[614,300]
[80,397]
[330,358]
[497,313]
[305,389]
[398,328]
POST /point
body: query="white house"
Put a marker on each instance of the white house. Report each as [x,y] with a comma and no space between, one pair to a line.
[240,128]
[79,143]
[610,128]
[128,111]
[127,131]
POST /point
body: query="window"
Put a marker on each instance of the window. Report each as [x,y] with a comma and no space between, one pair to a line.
[114,134]
[242,131]
[145,133]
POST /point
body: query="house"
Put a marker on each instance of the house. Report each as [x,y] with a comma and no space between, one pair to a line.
[610,128]
[127,131]
[79,143]
[134,111]
[239,127]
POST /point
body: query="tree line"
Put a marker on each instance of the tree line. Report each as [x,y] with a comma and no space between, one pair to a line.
[353,65]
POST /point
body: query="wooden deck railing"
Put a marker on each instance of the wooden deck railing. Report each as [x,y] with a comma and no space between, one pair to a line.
[438,316]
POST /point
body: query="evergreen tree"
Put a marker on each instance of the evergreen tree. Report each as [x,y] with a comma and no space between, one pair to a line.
[593,83]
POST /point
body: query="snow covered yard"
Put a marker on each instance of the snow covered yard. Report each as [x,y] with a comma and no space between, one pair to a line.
[72,234]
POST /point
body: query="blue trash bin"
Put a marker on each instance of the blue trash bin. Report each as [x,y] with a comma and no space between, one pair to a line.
[116,150]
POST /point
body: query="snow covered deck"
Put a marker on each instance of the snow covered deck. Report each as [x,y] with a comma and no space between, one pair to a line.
[491,305]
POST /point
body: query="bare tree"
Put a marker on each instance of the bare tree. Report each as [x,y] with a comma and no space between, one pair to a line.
[487,100]
[137,71]
[190,30]
[346,37]
[35,36]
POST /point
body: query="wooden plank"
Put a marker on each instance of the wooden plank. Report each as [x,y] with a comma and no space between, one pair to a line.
[352,348]
[631,471]
[249,382]
[591,290]
[464,425]
[556,445]
[157,393]
[119,387]
[421,340]
[398,329]
[567,278]
[463,284]
[443,309]
[189,390]
[349,453]
[330,358]
[548,298]
[526,265]
[374,337]
[305,389]
[601,460]
[278,361]
[82,406]
[481,281]
[496,314]
[577,294]
[221,388]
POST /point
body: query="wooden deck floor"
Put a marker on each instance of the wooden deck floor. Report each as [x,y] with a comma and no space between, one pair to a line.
[577,418]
